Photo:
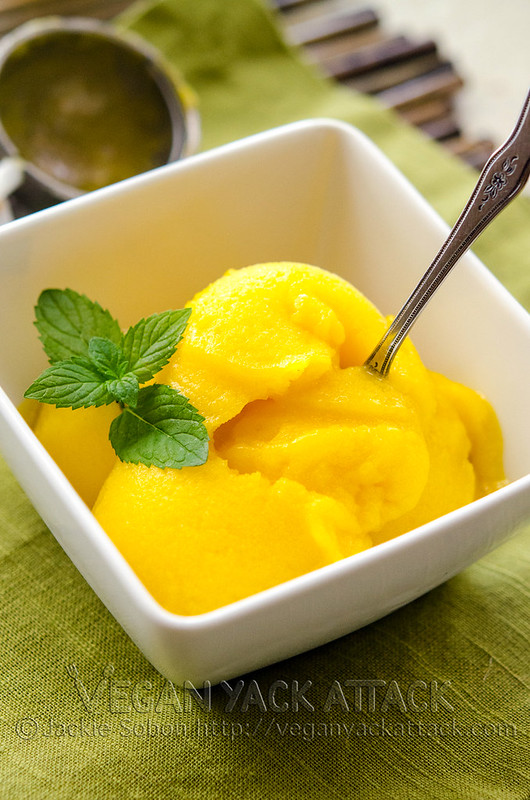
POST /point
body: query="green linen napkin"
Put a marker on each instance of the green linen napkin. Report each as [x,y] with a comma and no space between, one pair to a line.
[430,703]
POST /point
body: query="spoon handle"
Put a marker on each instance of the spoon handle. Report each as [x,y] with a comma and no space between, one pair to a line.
[503,176]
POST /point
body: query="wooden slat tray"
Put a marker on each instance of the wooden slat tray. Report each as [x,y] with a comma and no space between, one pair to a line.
[410,75]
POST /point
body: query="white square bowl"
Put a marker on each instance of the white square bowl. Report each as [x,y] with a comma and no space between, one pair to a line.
[317,192]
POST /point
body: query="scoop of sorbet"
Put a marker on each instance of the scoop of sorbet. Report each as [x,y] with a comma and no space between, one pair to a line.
[312,457]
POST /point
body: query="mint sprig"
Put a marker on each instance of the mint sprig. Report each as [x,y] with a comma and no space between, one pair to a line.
[92,363]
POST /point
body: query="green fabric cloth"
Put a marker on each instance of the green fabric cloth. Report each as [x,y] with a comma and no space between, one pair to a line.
[84,715]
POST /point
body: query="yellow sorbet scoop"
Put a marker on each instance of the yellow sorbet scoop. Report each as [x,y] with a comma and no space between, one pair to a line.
[312,457]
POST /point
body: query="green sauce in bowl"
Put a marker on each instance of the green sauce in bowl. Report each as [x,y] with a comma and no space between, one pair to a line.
[87,110]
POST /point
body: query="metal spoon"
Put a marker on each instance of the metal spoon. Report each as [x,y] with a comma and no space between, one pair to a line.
[503,177]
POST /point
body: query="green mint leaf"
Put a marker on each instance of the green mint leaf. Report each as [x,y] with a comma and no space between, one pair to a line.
[66,322]
[125,389]
[108,357]
[150,343]
[76,383]
[164,430]
[94,364]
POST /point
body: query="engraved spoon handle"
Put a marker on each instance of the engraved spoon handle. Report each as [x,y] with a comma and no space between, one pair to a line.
[503,176]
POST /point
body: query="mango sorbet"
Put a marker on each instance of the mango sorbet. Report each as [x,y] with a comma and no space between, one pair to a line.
[312,457]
